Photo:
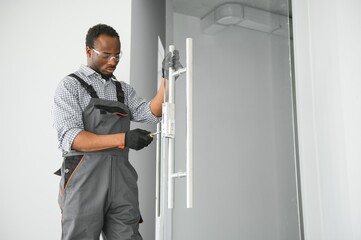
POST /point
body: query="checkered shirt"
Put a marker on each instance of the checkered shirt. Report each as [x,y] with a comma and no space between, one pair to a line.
[71,99]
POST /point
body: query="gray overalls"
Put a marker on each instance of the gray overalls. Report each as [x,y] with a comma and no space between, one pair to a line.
[98,190]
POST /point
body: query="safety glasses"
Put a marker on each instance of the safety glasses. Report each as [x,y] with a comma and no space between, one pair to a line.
[108,56]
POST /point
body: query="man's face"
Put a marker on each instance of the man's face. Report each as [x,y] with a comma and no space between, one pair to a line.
[104,57]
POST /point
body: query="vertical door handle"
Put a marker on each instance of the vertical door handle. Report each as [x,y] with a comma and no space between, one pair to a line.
[168,126]
[189,100]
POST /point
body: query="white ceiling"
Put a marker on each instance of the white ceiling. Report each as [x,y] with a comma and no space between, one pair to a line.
[200,8]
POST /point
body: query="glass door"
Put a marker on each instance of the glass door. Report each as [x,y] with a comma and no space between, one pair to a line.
[245,160]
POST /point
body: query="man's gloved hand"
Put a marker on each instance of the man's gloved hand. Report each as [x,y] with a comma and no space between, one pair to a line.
[137,139]
[171,61]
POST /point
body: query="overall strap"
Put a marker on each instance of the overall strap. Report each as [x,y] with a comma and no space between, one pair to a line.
[87,87]
[120,93]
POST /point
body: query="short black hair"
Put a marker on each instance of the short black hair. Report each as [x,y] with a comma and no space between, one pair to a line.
[95,31]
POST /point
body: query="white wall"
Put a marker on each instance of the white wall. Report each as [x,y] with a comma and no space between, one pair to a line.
[349,53]
[244,182]
[41,42]
[327,40]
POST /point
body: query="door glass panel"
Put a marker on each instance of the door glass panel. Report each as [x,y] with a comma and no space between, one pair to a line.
[245,168]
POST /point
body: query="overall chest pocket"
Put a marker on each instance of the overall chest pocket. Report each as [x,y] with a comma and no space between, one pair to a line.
[111,110]
[106,117]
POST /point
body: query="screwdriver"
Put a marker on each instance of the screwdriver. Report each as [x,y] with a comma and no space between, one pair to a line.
[153,134]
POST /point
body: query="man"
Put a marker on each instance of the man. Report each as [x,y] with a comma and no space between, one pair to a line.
[92,114]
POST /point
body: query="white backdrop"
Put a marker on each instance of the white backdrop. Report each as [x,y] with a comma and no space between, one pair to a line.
[327,40]
[41,42]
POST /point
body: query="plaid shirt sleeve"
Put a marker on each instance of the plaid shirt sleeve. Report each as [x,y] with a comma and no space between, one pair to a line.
[67,113]
[139,107]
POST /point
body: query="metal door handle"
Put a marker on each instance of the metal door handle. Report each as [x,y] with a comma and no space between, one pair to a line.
[189,103]
[168,126]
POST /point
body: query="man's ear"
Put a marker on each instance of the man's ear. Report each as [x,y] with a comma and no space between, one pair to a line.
[88,51]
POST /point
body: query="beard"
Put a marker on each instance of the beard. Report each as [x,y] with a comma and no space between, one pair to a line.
[106,76]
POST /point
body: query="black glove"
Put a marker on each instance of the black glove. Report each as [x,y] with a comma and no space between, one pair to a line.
[137,139]
[170,61]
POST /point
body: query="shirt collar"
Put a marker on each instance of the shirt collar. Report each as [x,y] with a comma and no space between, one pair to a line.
[90,73]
